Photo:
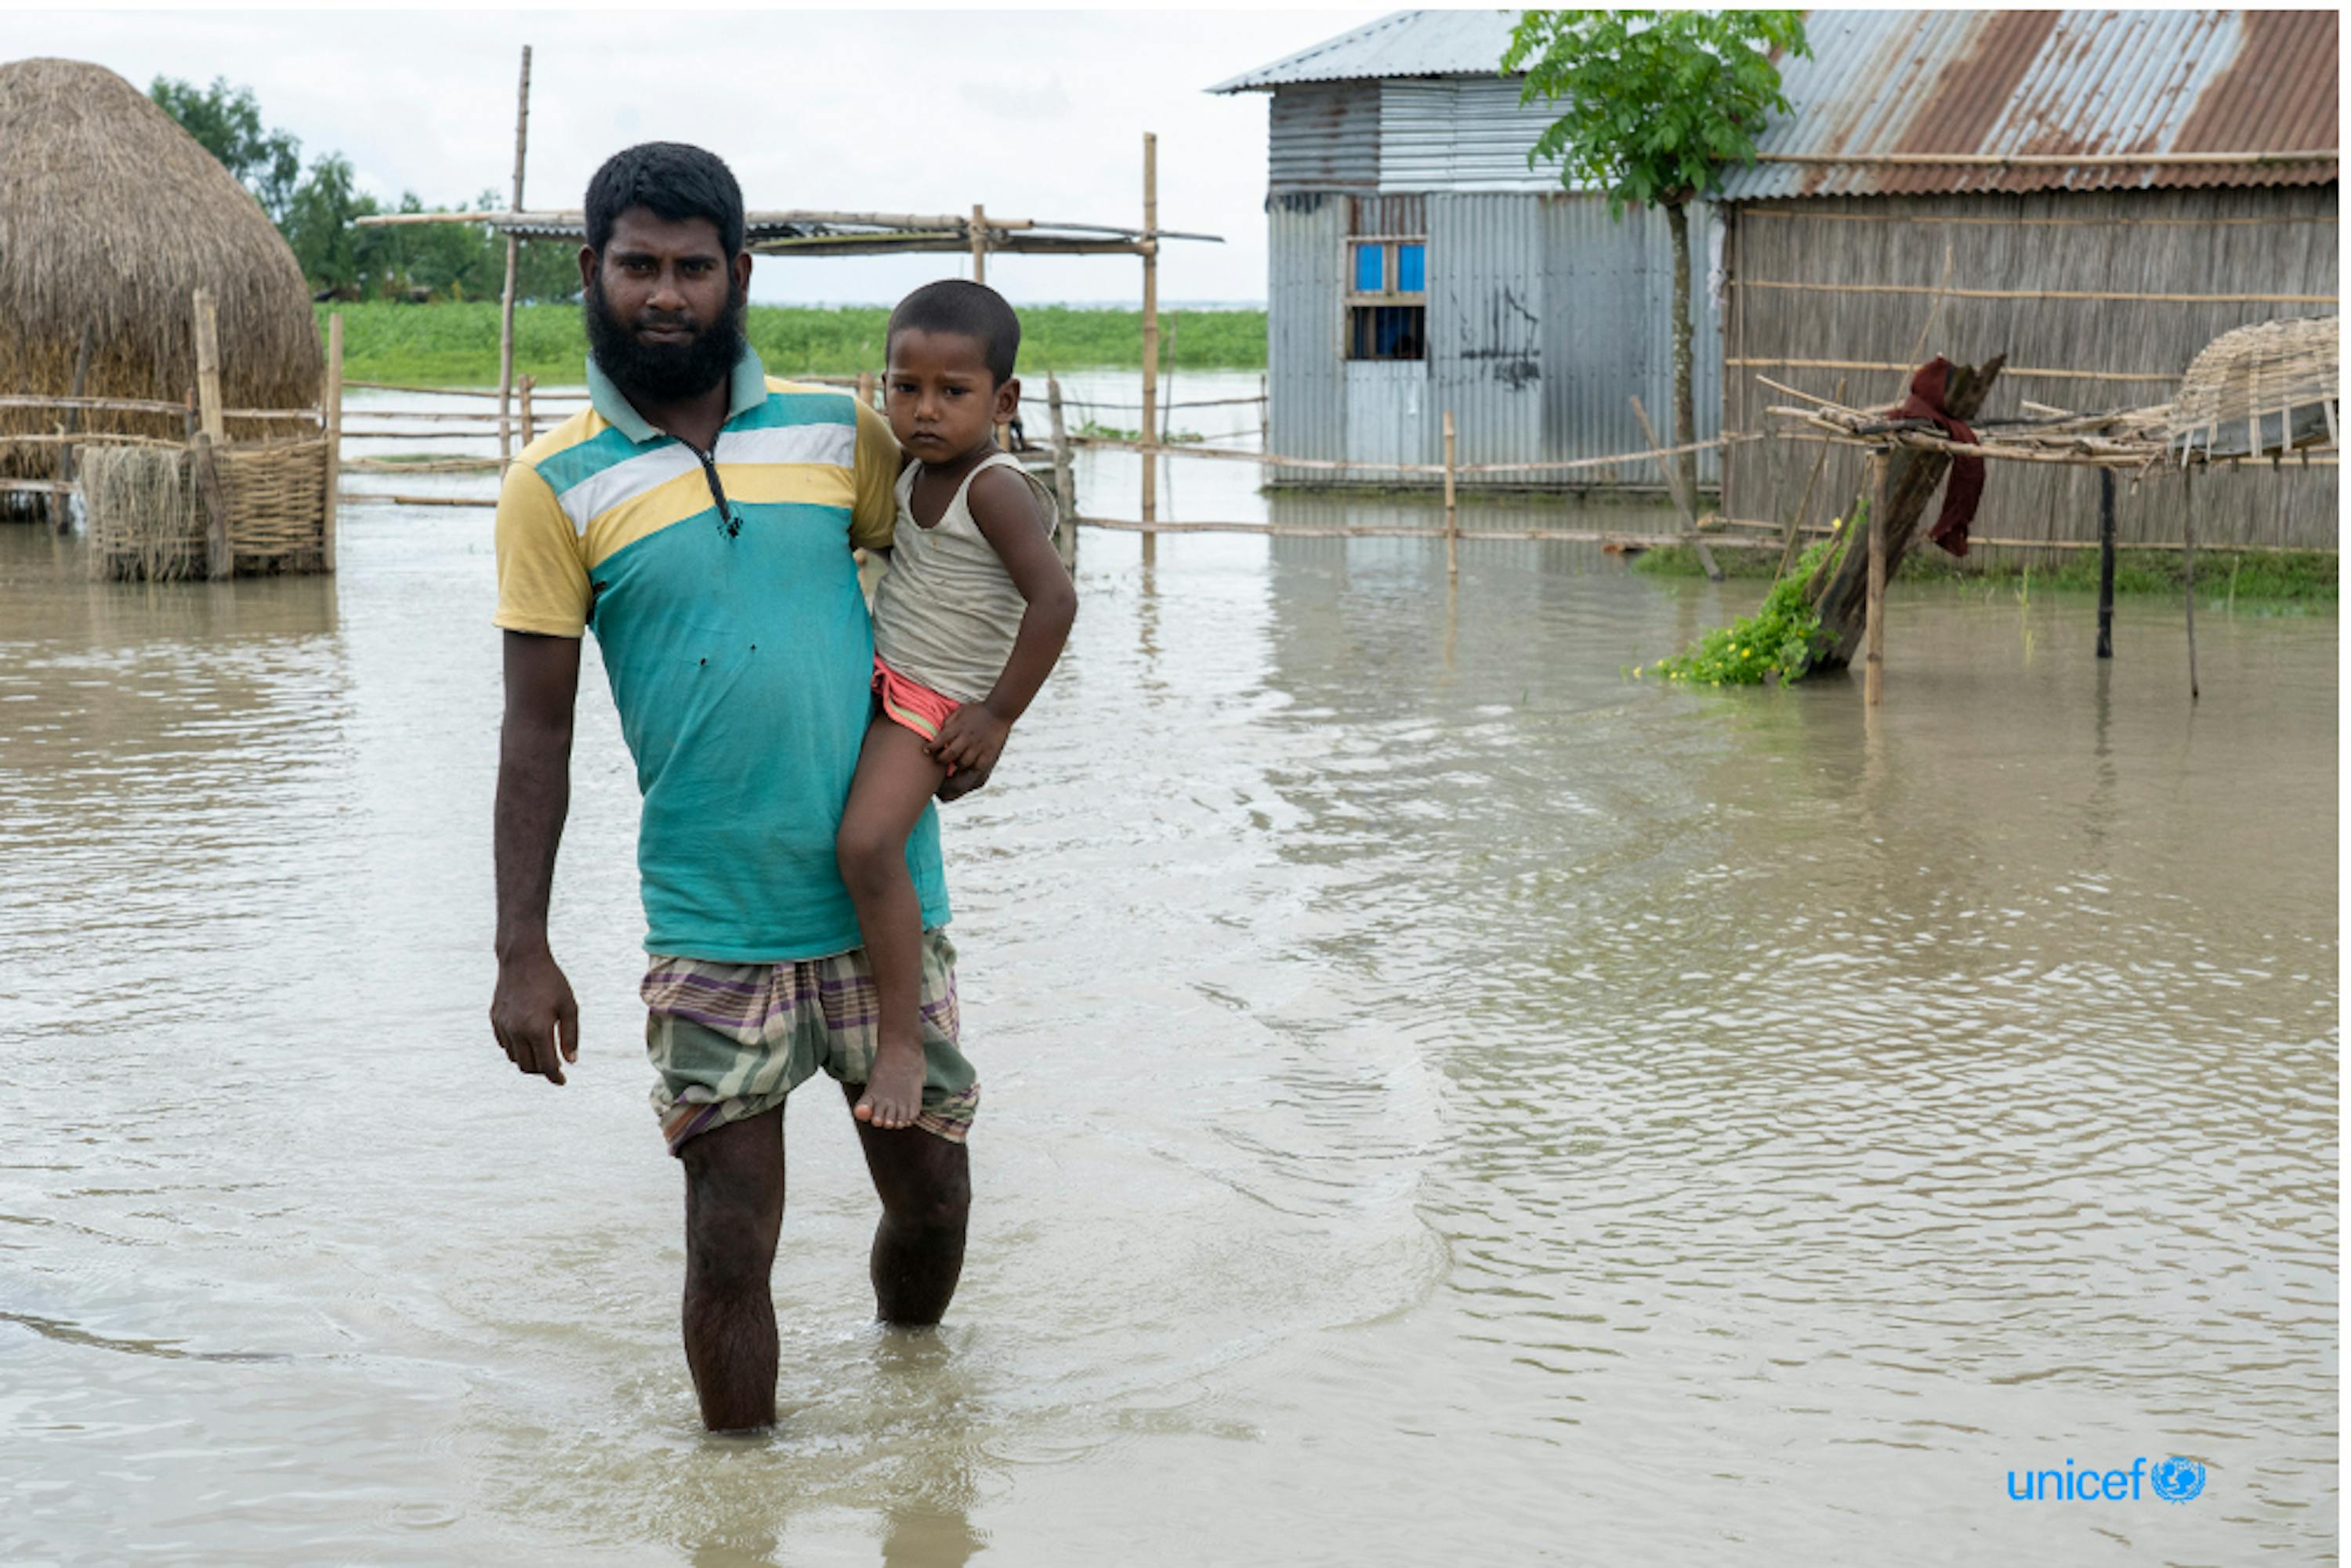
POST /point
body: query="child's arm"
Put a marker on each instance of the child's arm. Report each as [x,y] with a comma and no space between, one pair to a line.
[1005,511]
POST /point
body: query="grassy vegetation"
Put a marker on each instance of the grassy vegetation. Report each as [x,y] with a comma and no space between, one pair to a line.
[456,344]
[1779,642]
[2267,578]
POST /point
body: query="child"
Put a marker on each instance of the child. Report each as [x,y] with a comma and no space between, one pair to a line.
[966,624]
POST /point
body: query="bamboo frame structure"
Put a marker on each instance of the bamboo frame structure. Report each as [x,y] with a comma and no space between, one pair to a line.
[514,263]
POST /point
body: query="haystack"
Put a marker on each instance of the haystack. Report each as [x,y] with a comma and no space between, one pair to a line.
[110,217]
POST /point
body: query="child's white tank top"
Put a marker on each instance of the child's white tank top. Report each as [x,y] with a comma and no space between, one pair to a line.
[946,612]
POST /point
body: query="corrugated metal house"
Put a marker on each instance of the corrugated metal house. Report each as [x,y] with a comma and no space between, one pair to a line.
[2099,280]
[1419,264]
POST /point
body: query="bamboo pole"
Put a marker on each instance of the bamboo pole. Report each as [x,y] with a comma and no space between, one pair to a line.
[514,259]
[1792,286]
[865,389]
[1796,519]
[464,391]
[1873,680]
[1452,517]
[1275,460]
[1065,486]
[2188,532]
[2105,563]
[529,426]
[328,522]
[1150,340]
[147,405]
[61,503]
[1753,215]
[219,562]
[1265,415]
[208,366]
[1673,488]
[978,243]
[1756,363]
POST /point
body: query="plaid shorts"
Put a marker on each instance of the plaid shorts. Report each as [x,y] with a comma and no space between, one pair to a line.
[731,1041]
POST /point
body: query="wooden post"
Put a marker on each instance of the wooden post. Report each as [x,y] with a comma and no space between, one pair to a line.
[2188,532]
[1673,488]
[978,243]
[208,368]
[865,389]
[1804,506]
[529,425]
[1873,674]
[330,521]
[1264,415]
[1065,485]
[1150,342]
[2105,563]
[1452,518]
[218,560]
[61,501]
[514,257]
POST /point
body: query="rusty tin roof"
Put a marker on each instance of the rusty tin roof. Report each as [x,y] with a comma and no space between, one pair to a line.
[2050,83]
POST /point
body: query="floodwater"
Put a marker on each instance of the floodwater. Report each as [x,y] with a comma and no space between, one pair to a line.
[1447,1101]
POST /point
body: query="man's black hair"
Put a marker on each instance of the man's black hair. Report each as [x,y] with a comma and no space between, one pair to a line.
[968,310]
[672,181]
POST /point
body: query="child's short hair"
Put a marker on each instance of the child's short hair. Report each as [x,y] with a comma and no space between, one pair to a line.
[968,310]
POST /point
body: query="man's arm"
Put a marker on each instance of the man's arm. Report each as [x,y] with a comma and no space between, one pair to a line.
[533,1013]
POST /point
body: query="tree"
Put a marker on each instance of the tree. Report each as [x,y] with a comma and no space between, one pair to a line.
[1654,104]
[226,122]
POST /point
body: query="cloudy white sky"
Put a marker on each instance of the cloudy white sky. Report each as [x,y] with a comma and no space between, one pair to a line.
[1039,114]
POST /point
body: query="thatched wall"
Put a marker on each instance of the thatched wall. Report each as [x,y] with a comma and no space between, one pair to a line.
[2227,241]
[111,215]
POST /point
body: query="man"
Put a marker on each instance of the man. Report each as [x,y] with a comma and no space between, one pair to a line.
[700,517]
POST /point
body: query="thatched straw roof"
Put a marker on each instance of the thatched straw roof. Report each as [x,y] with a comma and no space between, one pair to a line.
[111,215]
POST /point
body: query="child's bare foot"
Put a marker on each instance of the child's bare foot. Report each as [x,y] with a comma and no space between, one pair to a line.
[894,1096]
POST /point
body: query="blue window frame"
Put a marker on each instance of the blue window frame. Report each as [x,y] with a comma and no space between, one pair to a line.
[1371,272]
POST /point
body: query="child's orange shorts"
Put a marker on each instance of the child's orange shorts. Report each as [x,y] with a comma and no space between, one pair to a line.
[910,704]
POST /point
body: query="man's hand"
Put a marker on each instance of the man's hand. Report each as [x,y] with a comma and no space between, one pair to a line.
[534,1016]
[972,737]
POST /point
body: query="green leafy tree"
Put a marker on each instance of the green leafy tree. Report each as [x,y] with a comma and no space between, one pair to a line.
[226,122]
[1653,105]
[334,254]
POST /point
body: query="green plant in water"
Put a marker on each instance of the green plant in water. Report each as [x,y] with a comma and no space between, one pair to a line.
[1780,641]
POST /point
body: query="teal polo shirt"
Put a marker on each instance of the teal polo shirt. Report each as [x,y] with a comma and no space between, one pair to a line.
[737,645]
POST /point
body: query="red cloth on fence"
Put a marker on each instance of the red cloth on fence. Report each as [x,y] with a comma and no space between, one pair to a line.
[1927,389]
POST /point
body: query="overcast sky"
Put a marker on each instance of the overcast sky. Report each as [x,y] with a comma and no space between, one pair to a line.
[1039,114]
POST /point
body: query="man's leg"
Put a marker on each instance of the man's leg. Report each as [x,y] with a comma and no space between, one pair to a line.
[925,1184]
[734,1207]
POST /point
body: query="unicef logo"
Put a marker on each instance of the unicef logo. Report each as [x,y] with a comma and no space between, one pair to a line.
[2176,1479]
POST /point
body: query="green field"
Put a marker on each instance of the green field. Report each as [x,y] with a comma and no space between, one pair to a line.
[455,344]
[2274,580]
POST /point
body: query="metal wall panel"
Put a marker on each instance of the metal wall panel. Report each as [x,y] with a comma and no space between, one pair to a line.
[1304,347]
[1388,415]
[1324,136]
[1460,133]
[1486,316]
[1544,316]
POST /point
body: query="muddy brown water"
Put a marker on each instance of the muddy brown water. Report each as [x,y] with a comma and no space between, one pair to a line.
[1446,1101]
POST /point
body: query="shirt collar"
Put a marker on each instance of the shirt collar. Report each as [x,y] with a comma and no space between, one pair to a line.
[746,389]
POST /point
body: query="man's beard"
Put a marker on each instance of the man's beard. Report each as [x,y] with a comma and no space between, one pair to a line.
[663,373]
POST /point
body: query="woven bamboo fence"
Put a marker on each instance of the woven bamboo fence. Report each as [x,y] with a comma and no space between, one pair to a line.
[147,519]
[2099,300]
